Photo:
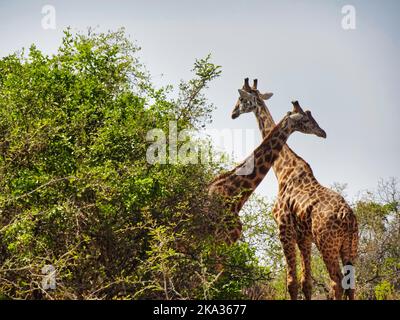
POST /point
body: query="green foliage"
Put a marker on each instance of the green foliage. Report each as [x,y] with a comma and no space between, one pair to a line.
[191,101]
[77,192]
[243,270]
[383,290]
[379,252]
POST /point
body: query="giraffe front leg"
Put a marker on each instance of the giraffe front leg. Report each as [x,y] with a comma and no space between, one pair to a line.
[287,239]
[306,279]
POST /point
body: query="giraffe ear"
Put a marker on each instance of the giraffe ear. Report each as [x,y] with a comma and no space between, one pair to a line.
[244,94]
[266,96]
[296,116]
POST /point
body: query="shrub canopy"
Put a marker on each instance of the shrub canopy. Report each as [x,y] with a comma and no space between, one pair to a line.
[77,193]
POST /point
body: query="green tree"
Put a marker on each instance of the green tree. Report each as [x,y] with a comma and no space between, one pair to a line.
[76,191]
[379,252]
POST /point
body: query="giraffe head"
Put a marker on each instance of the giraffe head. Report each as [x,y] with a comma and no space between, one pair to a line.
[249,99]
[303,121]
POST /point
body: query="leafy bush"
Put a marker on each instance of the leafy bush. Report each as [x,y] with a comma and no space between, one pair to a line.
[383,290]
[77,193]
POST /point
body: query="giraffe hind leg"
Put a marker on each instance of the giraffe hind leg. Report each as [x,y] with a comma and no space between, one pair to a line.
[287,237]
[331,260]
[306,279]
[289,250]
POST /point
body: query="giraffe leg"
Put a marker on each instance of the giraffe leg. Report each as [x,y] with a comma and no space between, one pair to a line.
[289,249]
[306,280]
[287,236]
[331,259]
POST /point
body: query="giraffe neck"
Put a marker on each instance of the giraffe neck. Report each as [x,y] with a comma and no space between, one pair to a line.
[244,178]
[287,158]
[264,119]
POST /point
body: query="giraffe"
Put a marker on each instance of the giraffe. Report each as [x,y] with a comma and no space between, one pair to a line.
[235,186]
[305,211]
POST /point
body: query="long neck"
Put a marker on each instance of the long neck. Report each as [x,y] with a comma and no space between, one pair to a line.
[287,158]
[267,152]
[244,178]
[264,119]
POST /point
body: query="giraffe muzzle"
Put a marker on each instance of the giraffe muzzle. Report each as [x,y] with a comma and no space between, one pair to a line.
[322,134]
[235,114]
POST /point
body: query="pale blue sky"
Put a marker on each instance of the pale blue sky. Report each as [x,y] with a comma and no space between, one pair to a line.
[297,49]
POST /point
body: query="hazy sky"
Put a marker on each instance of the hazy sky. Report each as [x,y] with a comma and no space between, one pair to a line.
[297,49]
